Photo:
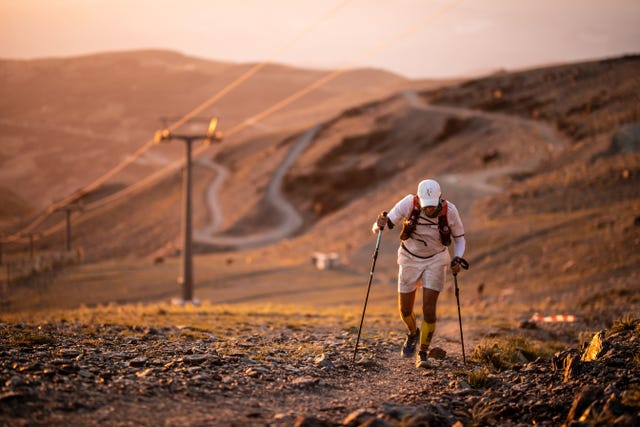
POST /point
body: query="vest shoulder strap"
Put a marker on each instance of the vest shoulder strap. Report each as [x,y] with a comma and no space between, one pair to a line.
[445,206]
[416,203]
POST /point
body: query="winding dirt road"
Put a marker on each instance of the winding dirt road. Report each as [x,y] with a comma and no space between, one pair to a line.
[464,188]
[215,212]
[291,219]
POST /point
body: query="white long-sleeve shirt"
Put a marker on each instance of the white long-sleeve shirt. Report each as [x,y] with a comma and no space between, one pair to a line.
[425,240]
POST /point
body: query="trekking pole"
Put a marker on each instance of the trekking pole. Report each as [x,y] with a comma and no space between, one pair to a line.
[464,265]
[373,266]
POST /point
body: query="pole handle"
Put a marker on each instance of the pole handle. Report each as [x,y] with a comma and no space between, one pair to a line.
[459,260]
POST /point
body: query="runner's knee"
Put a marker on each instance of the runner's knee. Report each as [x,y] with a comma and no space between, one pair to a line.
[429,316]
[405,313]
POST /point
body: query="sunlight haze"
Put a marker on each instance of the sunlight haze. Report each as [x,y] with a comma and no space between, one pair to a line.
[469,37]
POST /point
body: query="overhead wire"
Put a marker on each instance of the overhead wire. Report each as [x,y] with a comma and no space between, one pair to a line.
[100,205]
[336,73]
[76,195]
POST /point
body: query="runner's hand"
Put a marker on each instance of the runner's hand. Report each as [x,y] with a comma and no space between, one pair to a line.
[380,223]
[457,263]
[455,268]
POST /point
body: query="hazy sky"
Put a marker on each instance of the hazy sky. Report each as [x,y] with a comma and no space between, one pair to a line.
[441,37]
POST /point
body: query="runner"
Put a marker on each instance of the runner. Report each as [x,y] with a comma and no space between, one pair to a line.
[428,225]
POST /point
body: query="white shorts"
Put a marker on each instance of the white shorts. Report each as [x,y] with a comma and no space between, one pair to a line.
[432,271]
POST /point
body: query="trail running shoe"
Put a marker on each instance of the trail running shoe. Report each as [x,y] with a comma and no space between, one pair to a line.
[421,360]
[410,343]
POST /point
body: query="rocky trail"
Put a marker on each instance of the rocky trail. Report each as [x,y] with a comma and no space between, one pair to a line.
[103,374]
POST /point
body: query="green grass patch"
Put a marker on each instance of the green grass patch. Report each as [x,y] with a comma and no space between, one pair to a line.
[484,413]
[631,397]
[626,323]
[502,353]
[29,338]
[193,335]
[478,378]
[202,322]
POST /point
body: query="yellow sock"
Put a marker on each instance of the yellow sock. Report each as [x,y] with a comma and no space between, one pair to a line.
[426,334]
[410,321]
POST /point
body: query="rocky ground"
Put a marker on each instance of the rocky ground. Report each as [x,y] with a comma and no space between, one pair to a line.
[298,373]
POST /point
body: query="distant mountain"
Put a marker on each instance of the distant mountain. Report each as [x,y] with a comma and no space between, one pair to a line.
[66,121]
[525,156]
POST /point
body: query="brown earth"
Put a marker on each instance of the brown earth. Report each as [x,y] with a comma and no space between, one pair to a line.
[89,112]
[282,367]
[551,211]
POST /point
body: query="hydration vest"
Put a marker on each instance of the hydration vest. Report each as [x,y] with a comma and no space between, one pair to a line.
[409,225]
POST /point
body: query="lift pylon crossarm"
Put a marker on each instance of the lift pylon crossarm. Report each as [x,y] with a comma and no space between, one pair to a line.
[213,124]
[210,136]
[161,135]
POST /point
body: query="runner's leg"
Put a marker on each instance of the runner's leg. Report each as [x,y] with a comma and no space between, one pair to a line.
[405,305]
[429,301]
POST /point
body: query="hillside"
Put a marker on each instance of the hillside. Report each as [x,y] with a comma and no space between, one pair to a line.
[579,211]
[89,112]
[366,157]
[13,207]
[536,200]
[549,197]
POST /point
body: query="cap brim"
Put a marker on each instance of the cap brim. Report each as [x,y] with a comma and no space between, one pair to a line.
[429,202]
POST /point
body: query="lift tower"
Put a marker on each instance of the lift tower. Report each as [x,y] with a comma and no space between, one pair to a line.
[186,278]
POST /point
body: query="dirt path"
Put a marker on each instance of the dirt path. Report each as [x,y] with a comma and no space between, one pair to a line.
[542,128]
[266,373]
[270,379]
[464,188]
[291,219]
[215,212]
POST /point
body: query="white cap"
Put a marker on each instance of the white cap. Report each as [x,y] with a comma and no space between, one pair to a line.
[429,193]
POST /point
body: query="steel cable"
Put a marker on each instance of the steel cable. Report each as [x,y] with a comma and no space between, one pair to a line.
[40,218]
[104,203]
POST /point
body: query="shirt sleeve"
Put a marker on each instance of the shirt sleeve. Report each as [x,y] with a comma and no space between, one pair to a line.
[455,223]
[457,230]
[459,246]
[401,210]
